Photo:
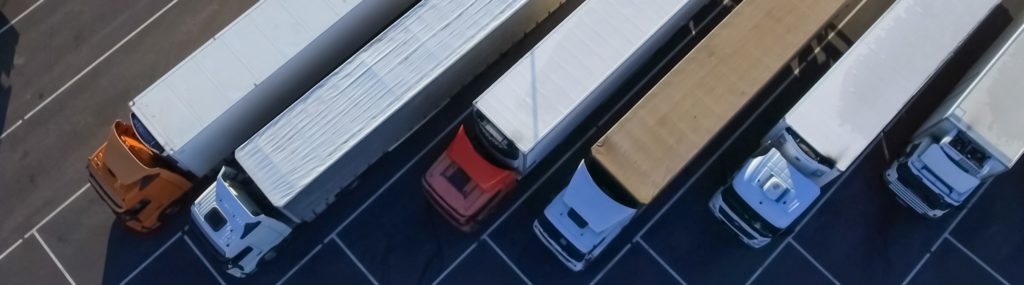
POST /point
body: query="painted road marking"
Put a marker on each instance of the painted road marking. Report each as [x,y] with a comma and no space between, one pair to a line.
[150,259]
[815,262]
[54,258]
[200,255]
[87,69]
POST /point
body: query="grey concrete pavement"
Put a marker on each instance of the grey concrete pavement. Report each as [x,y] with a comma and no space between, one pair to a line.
[44,158]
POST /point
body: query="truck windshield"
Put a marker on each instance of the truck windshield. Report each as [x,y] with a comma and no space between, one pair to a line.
[145,136]
[249,193]
[973,154]
[609,185]
[810,151]
[747,214]
[489,142]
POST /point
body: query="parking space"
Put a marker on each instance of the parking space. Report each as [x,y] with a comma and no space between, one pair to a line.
[950,264]
[170,265]
[30,263]
[328,264]
[382,230]
[991,229]
[793,263]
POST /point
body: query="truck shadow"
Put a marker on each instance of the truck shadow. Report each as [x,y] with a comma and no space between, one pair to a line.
[8,42]
[150,258]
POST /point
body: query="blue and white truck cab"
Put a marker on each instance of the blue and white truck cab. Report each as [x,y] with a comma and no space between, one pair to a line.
[586,216]
[975,135]
[832,125]
[236,225]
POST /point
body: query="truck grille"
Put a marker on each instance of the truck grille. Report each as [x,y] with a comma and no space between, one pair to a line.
[905,193]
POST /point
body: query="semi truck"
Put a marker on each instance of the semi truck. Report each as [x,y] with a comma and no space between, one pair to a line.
[839,117]
[293,168]
[186,123]
[657,138]
[975,135]
[544,96]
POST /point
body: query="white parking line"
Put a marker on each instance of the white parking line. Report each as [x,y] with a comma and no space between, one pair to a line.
[832,190]
[509,261]
[11,24]
[456,263]
[40,224]
[813,261]
[981,189]
[150,259]
[54,257]
[606,268]
[59,208]
[978,260]
[663,264]
[916,268]
[356,260]
[399,174]
[87,69]
[9,249]
[962,213]
[301,262]
[200,255]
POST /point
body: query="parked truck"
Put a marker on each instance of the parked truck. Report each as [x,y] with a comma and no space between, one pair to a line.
[190,120]
[839,117]
[974,136]
[543,97]
[658,137]
[293,168]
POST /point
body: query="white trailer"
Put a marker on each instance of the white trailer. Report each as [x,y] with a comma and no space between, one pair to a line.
[190,120]
[977,134]
[832,125]
[292,169]
[218,97]
[543,97]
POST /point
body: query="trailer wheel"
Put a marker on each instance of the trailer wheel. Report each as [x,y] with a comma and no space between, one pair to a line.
[270,255]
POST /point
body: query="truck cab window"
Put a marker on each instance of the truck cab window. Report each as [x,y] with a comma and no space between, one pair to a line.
[215,219]
[487,140]
[145,136]
[809,150]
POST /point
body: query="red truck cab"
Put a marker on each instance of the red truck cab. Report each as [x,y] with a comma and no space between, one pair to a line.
[134,180]
[465,183]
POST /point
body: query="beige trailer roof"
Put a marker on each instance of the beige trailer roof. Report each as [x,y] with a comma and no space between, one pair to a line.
[658,137]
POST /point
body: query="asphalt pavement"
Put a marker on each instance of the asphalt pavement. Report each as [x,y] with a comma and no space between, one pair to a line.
[69,67]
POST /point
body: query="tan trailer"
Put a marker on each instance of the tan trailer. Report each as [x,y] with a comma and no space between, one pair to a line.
[648,147]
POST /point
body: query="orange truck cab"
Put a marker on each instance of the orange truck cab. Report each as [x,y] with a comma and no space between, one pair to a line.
[134,180]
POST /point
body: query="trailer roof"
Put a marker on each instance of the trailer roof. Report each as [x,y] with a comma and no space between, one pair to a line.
[203,86]
[571,63]
[297,146]
[658,137]
[886,67]
[992,107]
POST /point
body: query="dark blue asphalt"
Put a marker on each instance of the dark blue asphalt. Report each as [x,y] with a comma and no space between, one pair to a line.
[859,235]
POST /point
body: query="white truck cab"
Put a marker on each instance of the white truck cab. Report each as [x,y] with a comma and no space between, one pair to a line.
[236,225]
[764,198]
[836,121]
[584,218]
[976,134]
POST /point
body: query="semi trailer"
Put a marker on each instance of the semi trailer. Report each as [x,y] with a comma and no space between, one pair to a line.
[543,97]
[839,117]
[293,168]
[638,157]
[975,135]
[191,119]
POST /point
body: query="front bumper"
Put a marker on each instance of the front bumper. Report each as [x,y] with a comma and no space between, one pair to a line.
[463,223]
[572,264]
[907,196]
[748,236]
